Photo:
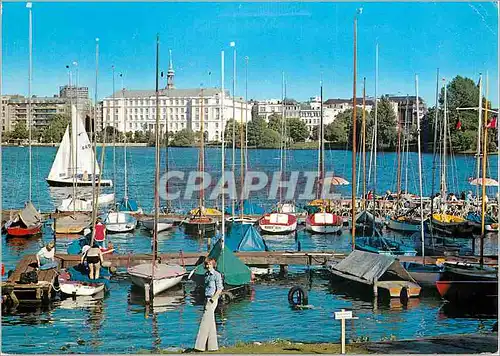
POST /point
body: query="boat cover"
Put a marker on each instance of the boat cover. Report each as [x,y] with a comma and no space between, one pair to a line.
[278,218]
[128,205]
[245,237]
[233,270]
[29,216]
[161,270]
[248,209]
[79,274]
[370,267]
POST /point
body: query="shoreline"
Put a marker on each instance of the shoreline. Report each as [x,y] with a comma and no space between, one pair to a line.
[486,342]
[297,147]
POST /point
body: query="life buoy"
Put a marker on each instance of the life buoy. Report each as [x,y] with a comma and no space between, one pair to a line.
[298,296]
[226,297]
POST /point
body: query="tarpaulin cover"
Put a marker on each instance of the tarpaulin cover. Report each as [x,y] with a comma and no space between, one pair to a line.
[233,270]
[78,273]
[245,237]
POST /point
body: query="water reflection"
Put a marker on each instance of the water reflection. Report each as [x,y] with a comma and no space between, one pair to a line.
[170,300]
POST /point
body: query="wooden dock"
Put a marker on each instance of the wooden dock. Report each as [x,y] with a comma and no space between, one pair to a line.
[40,292]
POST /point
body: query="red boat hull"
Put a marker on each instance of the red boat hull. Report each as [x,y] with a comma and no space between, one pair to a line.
[19,231]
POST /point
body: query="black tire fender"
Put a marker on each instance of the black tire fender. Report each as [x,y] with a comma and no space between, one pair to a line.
[226,297]
[298,296]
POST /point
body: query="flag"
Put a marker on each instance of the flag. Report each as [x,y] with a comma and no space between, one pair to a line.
[493,123]
[458,126]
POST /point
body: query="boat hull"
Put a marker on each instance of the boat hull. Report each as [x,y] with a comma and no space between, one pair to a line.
[80,289]
[197,226]
[456,229]
[119,222]
[18,231]
[159,285]
[162,225]
[403,226]
[334,226]
[278,223]
[68,182]
[241,220]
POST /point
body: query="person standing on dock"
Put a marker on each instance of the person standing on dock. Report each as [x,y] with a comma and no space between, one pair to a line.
[207,334]
[94,259]
[100,232]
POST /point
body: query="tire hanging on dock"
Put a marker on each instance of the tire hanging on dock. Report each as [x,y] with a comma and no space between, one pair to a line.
[298,296]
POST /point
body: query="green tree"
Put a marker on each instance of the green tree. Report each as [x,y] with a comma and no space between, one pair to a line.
[20,131]
[129,136]
[259,135]
[183,138]
[139,137]
[387,124]
[275,122]
[228,132]
[297,129]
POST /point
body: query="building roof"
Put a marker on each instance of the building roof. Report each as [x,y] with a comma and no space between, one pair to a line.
[38,99]
[402,99]
[171,93]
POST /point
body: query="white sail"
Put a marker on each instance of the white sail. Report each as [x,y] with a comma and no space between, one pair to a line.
[81,149]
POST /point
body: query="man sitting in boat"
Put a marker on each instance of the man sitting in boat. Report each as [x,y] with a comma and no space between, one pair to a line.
[85,176]
[45,257]
[94,260]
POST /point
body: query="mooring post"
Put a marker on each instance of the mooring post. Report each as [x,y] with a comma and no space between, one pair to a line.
[146,293]
[283,270]
[375,289]
[209,242]
[342,326]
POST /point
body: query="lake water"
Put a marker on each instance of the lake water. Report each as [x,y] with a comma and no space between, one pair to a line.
[118,324]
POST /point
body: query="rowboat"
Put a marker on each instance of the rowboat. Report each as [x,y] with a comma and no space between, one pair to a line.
[451,225]
[324,223]
[404,224]
[163,224]
[116,222]
[27,222]
[72,224]
[74,282]
[383,246]
[163,276]
[278,223]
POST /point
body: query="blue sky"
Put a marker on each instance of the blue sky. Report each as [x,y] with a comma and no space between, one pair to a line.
[308,41]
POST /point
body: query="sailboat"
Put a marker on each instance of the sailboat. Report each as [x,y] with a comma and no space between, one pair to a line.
[199,222]
[471,284]
[323,221]
[63,173]
[27,222]
[280,221]
[122,220]
[442,222]
[156,276]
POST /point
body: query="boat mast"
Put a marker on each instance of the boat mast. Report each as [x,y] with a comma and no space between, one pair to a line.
[420,172]
[223,222]
[398,170]
[282,134]
[30,72]
[483,185]
[434,146]
[321,145]
[375,137]
[406,148]
[95,193]
[202,151]
[479,129]
[246,114]
[157,166]
[242,160]
[233,44]
[125,186]
[363,199]
[114,135]
[445,129]
[353,195]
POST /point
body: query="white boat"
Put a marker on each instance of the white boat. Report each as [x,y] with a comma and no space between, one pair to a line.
[78,288]
[64,173]
[404,225]
[165,276]
[241,220]
[324,223]
[278,223]
[163,224]
[82,204]
[119,222]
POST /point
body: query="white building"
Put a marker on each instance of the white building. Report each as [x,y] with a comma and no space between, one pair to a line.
[135,110]
[266,108]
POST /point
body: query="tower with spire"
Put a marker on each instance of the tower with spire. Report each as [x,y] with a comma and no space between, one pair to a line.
[171,72]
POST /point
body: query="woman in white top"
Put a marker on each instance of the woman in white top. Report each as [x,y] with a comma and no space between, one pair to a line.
[46,255]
